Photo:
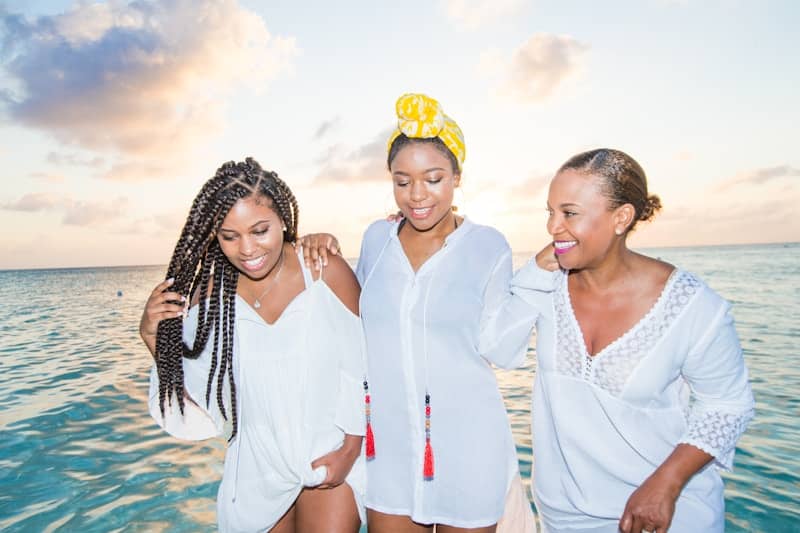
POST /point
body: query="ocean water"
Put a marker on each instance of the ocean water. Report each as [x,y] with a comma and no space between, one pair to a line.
[78,451]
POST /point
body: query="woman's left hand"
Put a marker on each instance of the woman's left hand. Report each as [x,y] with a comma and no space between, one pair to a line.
[650,507]
[316,247]
[338,462]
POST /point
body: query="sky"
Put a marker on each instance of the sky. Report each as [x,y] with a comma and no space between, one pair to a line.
[113,114]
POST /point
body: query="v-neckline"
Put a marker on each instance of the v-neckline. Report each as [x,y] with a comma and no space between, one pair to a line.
[285,309]
[627,333]
[306,287]
[429,259]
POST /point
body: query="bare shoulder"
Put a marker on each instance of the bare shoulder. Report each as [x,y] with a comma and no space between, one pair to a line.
[342,280]
[656,272]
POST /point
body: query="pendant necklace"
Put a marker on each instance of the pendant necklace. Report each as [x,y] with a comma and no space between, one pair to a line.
[257,301]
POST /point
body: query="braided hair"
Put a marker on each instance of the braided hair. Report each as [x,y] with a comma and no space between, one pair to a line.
[197,262]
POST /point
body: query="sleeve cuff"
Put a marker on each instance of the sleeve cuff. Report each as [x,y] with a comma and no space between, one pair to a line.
[194,424]
[716,433]
[531,277]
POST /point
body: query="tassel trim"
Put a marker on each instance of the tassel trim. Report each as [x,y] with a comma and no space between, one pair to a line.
[427,466]
[370,437]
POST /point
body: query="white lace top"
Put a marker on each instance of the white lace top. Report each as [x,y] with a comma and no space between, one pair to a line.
[602,424]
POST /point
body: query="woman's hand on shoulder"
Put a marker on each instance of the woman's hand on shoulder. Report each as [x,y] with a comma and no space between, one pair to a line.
[161,304]
[546,258]
[317,247]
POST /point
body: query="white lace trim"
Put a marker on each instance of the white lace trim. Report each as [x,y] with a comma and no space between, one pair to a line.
[716,433]
[611,368]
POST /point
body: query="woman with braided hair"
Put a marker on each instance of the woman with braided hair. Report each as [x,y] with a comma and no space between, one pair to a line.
[226,330]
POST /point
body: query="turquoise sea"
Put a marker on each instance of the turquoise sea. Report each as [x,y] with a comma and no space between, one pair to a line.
[78,451]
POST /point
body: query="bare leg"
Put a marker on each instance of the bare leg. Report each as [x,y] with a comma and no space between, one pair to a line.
[286,523]
[389,523]
[450,529]
[392,523]
[327,510]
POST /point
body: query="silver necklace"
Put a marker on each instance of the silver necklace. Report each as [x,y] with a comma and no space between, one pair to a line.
[257,301]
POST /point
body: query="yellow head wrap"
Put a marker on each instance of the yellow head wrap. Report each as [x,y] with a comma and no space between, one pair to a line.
[421,117]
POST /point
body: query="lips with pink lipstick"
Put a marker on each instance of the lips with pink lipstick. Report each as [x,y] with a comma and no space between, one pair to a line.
[562,247]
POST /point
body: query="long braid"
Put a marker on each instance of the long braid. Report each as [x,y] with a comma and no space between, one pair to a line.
[213,319]
[199,267]
[229,325]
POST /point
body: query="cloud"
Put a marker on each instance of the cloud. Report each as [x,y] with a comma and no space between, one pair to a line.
[94,213]
[769,220]
[366,163]
[76,212]
[45,176]
[760,176]
[326,127]
[543,63]
[143,79]
[32,202]
[131,171]
[472,14]
[73,160]
[536,68]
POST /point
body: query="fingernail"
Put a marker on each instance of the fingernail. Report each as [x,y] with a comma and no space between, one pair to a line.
[183,298]
[171,280]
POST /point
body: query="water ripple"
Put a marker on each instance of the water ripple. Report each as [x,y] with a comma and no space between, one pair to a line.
[78,450]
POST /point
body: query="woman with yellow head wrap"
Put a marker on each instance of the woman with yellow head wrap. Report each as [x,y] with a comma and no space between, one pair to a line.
[439,448]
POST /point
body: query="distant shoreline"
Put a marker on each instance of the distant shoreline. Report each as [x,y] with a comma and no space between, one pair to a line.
[643,248]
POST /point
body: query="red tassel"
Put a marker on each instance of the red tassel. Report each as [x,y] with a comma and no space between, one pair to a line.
[427,471]
[427,466]
[370,443]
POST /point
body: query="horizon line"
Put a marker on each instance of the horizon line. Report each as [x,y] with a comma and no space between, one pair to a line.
[89,267]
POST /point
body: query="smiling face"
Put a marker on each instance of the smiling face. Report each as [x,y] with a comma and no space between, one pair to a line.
[251,236]
[424,182]
[583,226]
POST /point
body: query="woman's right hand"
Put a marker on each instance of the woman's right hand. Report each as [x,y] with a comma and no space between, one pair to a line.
[317,246]
[160,305]
[546,258]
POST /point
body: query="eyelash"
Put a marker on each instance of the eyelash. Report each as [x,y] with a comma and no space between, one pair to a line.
[259,233]
[433,181]
[567,214]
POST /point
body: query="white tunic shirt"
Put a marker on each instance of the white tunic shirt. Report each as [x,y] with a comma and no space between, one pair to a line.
[297,395]
[603,424]
[427,329]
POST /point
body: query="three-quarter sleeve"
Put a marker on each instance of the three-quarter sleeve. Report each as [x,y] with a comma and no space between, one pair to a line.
[721,403]
[195,423]
[506,321]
